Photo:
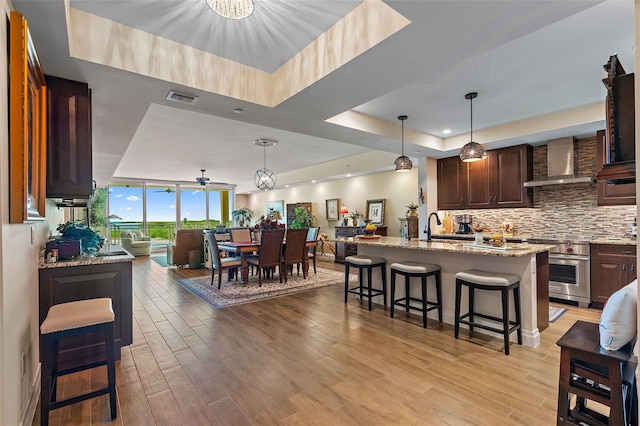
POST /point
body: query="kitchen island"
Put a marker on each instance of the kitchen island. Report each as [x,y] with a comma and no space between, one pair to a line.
[529,261]
[88,277]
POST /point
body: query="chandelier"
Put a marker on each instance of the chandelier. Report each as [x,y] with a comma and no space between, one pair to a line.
[232,9]
[472,151]
[265,179]
[403,163]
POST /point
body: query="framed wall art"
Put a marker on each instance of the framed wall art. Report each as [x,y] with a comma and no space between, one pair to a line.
[27,126]
[375,211]
[333,209]
[275,206]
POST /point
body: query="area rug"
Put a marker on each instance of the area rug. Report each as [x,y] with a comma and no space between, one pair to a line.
[160,260]
[234,293]
[555,313]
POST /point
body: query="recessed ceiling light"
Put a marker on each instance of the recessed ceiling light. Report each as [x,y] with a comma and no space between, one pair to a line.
[238,110]
[446,131]
[313,181]
[349,175]
[286,186]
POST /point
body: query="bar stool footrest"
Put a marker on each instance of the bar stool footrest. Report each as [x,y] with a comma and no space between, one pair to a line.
[59,404]
[362,291]
[402,302]
[515,325]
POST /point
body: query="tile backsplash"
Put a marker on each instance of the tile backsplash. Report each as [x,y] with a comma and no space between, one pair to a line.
[563,211]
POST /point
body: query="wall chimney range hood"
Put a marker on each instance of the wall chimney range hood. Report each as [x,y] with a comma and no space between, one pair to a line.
[560,165]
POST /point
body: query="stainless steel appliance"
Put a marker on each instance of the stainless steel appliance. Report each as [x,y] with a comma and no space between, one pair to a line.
[464,223]
[569,270]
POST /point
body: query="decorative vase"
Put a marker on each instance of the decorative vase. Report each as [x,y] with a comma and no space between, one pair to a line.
[413,213]
[355,222]
[478,239]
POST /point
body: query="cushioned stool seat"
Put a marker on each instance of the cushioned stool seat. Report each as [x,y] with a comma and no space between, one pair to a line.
[475,279]
[367,263]
[67,320]
[411,269]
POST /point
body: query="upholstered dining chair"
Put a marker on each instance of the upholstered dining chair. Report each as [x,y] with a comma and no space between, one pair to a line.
[270,254]
[295,251]
[240,235]
[217,263]
[312,235]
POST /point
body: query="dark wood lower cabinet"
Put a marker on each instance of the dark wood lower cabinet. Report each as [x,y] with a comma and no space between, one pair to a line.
[68,284]
[612,267]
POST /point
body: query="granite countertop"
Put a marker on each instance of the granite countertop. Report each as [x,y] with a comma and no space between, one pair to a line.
[116,255]
[625,241]
[510,249]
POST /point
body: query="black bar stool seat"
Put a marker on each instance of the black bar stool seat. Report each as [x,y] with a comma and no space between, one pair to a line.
[73,319]
[492,281]
[409,270]
[365,263]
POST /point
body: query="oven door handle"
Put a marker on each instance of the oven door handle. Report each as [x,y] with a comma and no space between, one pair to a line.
[570,257]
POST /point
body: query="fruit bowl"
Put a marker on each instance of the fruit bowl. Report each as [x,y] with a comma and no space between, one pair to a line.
[369,231]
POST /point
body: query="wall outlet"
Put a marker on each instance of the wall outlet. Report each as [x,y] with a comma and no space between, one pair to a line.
[33,234]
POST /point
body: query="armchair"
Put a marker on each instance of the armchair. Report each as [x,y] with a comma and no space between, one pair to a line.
[187,240]
[135,243]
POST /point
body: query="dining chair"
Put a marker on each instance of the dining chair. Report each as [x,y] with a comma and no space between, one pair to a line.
[217,263]
[312,235]
[239,235]
[295,251]
[270,254]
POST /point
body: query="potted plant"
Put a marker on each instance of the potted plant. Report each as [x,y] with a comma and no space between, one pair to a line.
[242,216]
[355,216]
[412,210]
[303,219]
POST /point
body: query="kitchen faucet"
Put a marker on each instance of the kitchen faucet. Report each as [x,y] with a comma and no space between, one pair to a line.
[428,230]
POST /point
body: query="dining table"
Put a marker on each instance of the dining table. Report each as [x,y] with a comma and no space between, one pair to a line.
[245,248]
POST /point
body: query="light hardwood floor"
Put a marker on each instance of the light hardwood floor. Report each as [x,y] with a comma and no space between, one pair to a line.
[310,359]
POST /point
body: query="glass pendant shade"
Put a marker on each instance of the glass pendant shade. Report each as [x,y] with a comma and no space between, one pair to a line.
[265,179]
[232,9]
[472,151]
[403,163]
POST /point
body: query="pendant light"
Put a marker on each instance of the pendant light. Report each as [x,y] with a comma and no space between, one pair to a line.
[472,151]
[265,179]
[403,163]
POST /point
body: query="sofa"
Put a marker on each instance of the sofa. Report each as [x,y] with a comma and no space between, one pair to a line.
[187,240]
[135,243]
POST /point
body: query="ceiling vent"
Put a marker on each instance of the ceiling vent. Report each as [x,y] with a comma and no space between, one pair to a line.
[185,99]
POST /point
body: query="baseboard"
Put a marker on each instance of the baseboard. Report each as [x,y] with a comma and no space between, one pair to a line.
[30,410]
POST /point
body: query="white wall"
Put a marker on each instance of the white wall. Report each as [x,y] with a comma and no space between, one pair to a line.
[18,282]
[399,189]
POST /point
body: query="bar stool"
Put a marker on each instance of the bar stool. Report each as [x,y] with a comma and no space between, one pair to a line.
[482,280]
[67,320]
[592,373]
[368,263]
[410,269]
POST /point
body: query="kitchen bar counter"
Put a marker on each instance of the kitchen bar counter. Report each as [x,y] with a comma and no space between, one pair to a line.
[117,255]
[528,261]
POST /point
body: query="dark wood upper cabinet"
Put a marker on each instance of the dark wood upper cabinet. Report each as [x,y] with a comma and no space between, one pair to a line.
[619,153]
[610,194]
[69,160]
[496,182]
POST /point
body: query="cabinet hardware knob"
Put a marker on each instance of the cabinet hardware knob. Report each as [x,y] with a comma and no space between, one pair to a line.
[624,267]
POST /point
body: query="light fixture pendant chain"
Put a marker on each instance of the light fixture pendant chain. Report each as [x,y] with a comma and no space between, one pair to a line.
[402,137]
[264,148]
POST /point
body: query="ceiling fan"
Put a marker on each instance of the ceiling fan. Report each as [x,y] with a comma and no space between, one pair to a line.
[203,180]
[168,190]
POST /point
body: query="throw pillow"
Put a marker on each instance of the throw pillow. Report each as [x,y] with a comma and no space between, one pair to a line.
[619,318]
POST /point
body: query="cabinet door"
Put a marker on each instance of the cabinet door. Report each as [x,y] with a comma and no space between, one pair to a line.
[69,161]
[478,182]
[451,174]
[612,267]
[608,193]
[607,276]
[512,167]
